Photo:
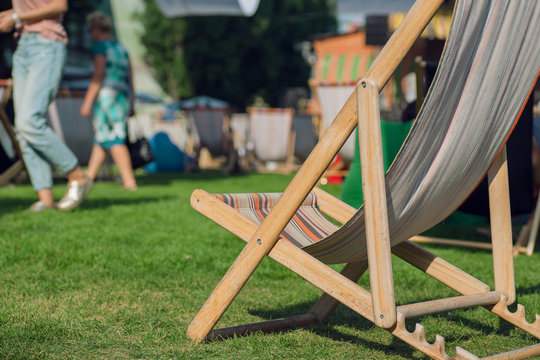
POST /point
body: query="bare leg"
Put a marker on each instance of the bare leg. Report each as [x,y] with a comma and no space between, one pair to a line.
[46,197]
[122,160]
[77,175]
[96,160]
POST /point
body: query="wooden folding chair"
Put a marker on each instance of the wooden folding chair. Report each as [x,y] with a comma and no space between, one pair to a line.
[5,125]
[384,229]
[211,119]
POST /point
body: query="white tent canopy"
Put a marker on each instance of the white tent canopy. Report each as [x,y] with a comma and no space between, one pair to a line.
[176,8]
[373,7]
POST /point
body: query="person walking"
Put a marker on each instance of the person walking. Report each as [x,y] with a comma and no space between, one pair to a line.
[111,93]
[38,63]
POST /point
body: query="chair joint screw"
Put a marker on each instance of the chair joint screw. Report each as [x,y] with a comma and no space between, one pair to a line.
[259,241]
[381,316]
[364,84]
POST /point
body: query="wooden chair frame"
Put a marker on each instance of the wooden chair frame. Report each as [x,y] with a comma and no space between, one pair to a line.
[18,166]
[378,305]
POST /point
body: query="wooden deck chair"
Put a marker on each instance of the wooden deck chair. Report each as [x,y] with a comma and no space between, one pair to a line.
[211,120]
[491,59]
[271,133]
[9,139]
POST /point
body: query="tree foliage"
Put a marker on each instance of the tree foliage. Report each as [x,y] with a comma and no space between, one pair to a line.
[235,58]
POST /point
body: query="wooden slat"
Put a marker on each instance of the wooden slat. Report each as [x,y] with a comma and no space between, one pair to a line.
[533,232]
[451,242]
[376,213]
[11,172]
[333,207]
[501,227]
[524,353]
[448,304]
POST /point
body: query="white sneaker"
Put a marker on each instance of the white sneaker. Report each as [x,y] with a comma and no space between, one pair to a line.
[75,195]
[38,206]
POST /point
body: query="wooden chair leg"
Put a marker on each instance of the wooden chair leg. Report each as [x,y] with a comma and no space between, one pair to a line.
[533,234]
[326,304]
[11,172]
[501,227]
[376,212]
[529,233]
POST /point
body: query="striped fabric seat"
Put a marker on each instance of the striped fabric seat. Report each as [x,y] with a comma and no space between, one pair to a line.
[306,227]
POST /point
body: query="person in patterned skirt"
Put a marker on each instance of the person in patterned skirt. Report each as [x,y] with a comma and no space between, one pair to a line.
[111,94]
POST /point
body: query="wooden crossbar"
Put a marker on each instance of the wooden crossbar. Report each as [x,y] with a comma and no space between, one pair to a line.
[523,353]
[448,304]
[11,172]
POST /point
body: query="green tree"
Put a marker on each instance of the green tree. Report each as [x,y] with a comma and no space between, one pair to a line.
[235,58]
[163,39]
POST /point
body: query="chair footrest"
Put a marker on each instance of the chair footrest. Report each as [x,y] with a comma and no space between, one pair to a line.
[523,353]
[448,304]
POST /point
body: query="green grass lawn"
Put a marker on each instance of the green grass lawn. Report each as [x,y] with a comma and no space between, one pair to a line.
[123,276]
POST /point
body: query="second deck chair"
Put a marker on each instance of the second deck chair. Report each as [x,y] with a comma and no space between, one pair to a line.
[210,118]
[271,133]
[9,139]
[490,62]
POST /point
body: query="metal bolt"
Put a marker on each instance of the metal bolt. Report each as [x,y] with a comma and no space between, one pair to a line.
[381,316]
[198,200]
[364,84]
[259,241]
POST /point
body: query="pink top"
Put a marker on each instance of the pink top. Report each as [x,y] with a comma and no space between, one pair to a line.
[51,28]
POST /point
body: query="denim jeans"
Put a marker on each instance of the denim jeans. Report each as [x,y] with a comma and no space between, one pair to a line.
[37,69]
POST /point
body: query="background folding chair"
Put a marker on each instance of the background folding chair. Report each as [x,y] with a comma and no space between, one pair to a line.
[211,120]
[273,138]
[7,135]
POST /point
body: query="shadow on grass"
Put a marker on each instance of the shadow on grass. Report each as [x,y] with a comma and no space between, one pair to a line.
[329,329]
[347,317]
[105,202]
[14,205]
[168,178]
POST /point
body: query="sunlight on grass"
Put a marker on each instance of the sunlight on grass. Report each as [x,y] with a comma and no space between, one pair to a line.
[123,276]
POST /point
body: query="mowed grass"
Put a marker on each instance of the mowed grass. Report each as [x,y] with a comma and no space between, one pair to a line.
[123,276]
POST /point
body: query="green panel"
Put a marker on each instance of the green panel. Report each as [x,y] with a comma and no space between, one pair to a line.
[341,62]
[326,66]
[393,134]
[354,70]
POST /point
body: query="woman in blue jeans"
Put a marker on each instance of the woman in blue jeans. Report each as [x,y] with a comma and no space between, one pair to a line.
[37,69]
